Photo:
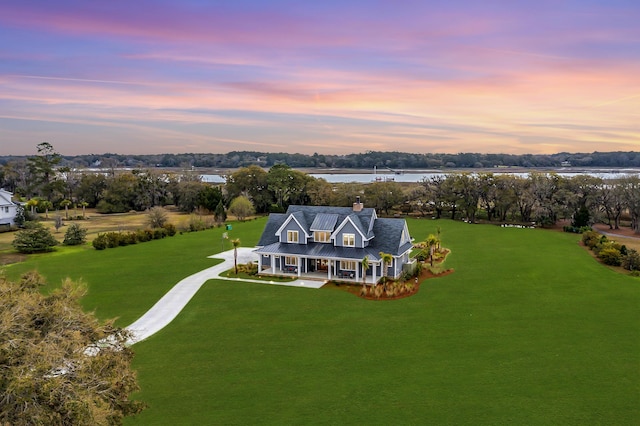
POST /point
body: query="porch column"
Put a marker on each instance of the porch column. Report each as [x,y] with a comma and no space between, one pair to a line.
[299,266]
[259,263]
[373,269]
[329,268]
[272,263]
[358,273]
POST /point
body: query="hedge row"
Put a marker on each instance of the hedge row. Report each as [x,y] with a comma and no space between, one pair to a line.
[611,252]
[117,239]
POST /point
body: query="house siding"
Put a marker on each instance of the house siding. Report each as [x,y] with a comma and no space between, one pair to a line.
[8,209]
[348,228]
[384,236]
[293,226]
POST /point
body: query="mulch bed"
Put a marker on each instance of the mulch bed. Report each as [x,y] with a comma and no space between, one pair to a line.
[425,274]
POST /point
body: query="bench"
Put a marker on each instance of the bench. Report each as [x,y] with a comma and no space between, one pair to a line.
[345,274]
[290,269]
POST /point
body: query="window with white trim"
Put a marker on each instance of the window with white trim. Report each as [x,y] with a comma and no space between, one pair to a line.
[292,236]
[321,236]
[349,240]
[348,265]
[291,261]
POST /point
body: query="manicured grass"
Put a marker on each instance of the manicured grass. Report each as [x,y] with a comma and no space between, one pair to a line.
[528,330]
[125,282]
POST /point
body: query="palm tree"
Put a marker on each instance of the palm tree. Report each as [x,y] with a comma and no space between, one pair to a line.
[84,205]
[47,205]
[365,266]
[32,204]
[386,262]
[236,244]
[432,242]
[66,204]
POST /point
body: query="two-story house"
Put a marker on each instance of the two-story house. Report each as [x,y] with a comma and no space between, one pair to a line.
[331,243]
[8,209]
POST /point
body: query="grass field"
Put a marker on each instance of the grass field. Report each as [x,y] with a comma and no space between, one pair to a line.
[528,330]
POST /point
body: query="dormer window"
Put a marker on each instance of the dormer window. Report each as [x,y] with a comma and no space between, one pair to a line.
[292,236]
[321,236]
[349,240]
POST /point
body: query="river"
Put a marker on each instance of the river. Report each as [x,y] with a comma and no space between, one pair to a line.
[418,176]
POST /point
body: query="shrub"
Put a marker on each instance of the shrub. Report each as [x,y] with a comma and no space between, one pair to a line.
[113,239]
[75,235]
[159,233]
[610,256]
[100,242]
[170,228]
[35,238]
[251,268]
[590,239]
[131,237]
[423,255]
[143,235]
[157,217]
[631,261]
[195,223]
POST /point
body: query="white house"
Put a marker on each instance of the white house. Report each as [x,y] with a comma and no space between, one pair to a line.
[8,209]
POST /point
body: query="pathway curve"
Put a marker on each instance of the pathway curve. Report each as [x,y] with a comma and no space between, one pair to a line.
[170,305]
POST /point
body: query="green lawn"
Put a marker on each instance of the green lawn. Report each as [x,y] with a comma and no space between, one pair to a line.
[126,281]
[528,330]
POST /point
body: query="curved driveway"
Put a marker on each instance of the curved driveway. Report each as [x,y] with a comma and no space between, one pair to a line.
[170,305]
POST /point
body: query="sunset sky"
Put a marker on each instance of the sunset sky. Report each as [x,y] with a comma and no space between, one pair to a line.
[333,77]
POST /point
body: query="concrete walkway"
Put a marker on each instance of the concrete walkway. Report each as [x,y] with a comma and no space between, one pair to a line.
[170,305]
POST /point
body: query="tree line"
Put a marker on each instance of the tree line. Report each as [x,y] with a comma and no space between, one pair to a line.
[543,198]
[366,160]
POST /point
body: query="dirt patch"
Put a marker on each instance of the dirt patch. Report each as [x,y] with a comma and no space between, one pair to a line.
[8,258]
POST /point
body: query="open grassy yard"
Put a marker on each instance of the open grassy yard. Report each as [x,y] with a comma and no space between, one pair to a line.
[530,329]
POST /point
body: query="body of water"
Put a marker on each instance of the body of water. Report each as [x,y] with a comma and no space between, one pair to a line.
[419,176]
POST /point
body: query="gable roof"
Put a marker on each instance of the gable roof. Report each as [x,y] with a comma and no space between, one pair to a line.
[385,234]
[5,198]
[388,234]
[274,223]
[299,219]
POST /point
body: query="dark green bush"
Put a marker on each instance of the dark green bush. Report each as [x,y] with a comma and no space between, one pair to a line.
[631,260]
[159,233]
[35,238]
[75,235]
[113,239]
[100,242]
[143,235]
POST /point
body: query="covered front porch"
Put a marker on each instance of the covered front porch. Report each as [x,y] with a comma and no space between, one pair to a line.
[313,268]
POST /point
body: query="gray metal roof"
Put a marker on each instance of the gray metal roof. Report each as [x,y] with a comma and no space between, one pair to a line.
[320,250]
[324,222]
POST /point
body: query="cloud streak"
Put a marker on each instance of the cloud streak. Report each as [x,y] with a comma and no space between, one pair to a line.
[328,77]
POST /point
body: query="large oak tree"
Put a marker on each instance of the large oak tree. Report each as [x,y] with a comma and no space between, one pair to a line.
[60,365]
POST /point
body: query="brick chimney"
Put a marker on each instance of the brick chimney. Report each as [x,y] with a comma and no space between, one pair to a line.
[357,206]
